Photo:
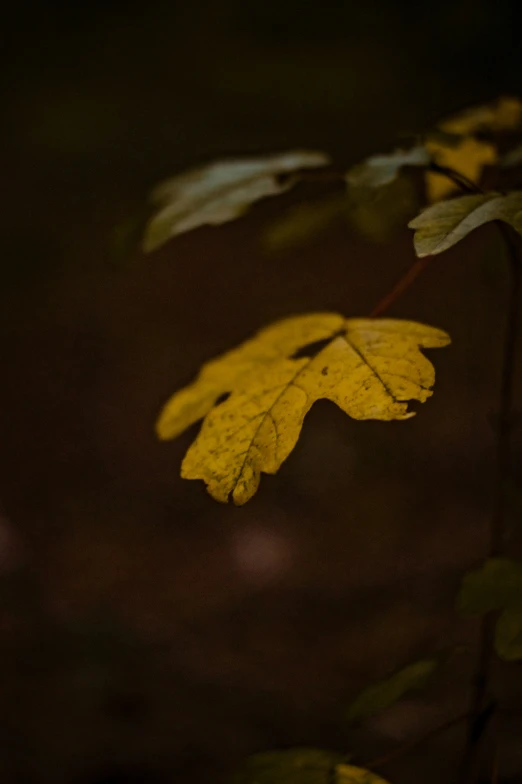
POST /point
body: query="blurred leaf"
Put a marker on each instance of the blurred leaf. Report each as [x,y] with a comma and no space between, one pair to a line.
[378,214]
[444,138]
[222,191]
[441,226]
[348,774]
[370,368]
[504,114]
[386,692]
[303,765]
[303,223]
[471,155]
[508,633]
[381,170]
[496,585]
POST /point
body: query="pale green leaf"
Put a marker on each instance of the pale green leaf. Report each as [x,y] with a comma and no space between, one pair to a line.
[380,170]
[384,693]
[222,191]
[292,766]
[442,225]
[508,633]
[371,368]
[496,585]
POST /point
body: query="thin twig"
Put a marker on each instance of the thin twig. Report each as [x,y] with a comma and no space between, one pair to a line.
[404,748]
[420,264]
[469,769]
[400,287]
[481,711]
[476,726]
[460,180]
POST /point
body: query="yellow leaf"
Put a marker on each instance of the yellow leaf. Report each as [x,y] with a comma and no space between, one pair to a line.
[471,155]
[502,115]
[369,367]
[349,774]
[469,159]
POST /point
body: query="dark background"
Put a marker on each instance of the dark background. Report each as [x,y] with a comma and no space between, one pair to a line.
[146,631]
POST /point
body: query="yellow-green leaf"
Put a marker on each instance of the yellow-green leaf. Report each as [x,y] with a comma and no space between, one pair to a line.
[441,226]
[303,223]
[496,585]
[508,633]
[302,765]
[370,367]
[222,191]
[377,214]
[348,774]
[471,155]
[384,693]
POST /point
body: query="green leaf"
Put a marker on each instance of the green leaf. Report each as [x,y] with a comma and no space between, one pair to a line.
[380,170]
[442,225]
[303,223]
[222,191]
[303,765]
[386,692]
[508,633]
[496,585]
[377,214]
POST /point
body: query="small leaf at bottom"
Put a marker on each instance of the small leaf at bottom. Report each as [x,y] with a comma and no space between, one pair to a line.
[383,694]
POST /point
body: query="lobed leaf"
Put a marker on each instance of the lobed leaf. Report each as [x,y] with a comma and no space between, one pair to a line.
[222,191]
[370,368]
[386,692]
[442,225]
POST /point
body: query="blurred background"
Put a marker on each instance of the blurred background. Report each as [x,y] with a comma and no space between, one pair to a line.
[148,633]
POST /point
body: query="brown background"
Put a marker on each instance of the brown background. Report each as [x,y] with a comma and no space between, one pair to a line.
[147,631]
